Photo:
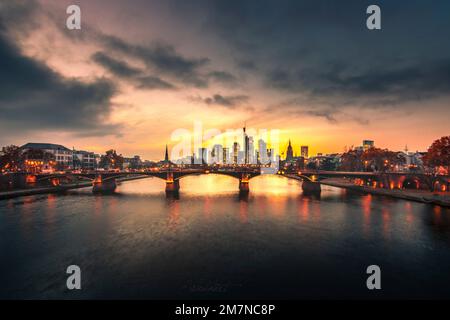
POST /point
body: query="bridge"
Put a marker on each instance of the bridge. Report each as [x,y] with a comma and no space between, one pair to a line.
[388,180]
[105,181]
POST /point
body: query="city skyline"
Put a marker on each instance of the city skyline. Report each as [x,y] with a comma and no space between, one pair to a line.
[233,140]
[129,83]
[260,153]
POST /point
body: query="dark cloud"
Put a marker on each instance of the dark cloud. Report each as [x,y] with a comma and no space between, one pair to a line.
[33,96]
[333,115]
[368,88]
[327,114]
[346,97]
[162,58]
[323,48]
[19,15]
[151,82]
[118,68]
[165,60]
[223,77]
[314,106]
[164,64]
[124,70]
[231,102]
[246,65]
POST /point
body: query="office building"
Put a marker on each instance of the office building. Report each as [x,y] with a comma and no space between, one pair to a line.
[62,155]
[367,144]
[304,151]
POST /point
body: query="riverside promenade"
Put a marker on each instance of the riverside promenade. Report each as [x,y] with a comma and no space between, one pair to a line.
[437,198]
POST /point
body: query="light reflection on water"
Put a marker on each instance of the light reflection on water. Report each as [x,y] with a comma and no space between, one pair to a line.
[275,243]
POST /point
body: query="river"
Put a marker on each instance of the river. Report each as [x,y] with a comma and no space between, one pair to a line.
[210,243]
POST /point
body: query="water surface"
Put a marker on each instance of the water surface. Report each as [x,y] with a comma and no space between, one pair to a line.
[211,243]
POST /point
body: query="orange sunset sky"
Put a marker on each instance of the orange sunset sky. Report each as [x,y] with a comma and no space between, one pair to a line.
[139,70]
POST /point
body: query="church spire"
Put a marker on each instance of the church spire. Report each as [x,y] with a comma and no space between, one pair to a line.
[166,157]
[289,152]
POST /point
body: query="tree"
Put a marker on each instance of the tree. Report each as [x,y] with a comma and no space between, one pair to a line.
[111,160]
[11,159]
[328,164]
[372,159]
[382,159]
[438,154]
[312,165]
[351,161]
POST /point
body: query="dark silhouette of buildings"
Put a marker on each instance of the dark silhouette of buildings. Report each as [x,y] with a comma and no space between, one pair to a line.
[289,152]
[166,156]
[246,147]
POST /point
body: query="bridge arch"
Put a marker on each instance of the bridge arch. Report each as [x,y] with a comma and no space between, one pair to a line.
[441,185]
[303,177]
[411,183]
[237,175]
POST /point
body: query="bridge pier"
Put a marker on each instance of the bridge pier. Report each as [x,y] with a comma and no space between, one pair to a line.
[244,183]
[311,186]
[20,180]
[172,186]
[100,185]
[243,186]
[12,181]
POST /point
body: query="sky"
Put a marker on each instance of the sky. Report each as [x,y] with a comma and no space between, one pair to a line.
[139,71]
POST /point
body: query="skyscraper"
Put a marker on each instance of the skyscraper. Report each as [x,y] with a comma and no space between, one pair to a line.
[246,147]
[251,151]
[217,154]
[202,155]
[367,144]
[241,157]
[226,156]
[271,154]
[304,150]
[262,151]
[236,148]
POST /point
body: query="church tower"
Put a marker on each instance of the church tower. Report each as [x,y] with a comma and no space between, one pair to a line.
[166,157]
[289,152]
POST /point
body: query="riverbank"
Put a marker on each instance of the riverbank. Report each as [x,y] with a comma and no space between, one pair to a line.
[438,198]
[45,190]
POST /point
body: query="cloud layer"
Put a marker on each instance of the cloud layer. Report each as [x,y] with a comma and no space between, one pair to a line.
[279,63]
[33,96]
[230,102]
[322,49]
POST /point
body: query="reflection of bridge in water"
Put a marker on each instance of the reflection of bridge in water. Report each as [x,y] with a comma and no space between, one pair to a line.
[105,181]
